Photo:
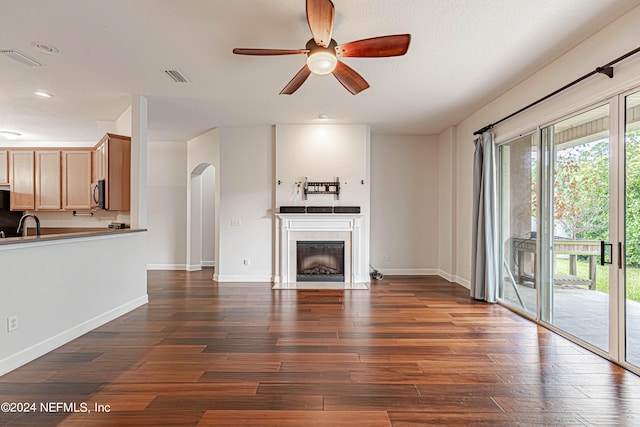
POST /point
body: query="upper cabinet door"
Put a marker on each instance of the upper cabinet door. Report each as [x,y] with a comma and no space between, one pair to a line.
[48,180]
[100,160]
[21,170]
[4,167]
[76,180]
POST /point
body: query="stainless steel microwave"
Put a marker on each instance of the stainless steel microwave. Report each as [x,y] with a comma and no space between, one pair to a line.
[98,195]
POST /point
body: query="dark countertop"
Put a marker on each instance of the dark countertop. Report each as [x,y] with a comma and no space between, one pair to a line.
[62,236]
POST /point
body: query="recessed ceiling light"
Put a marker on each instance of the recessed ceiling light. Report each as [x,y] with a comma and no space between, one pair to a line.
[46,48]
[43,94]
[7,134]
[323,117]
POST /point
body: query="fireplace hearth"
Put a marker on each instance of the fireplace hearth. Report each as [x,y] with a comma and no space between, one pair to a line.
[320,261]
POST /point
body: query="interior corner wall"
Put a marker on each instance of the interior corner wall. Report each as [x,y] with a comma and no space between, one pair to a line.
[245,205]
[446,204]
[167,201]
[404,204]
[609,43]
[124,124]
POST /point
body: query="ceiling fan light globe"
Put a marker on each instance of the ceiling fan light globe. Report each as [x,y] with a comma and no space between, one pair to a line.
[322,62]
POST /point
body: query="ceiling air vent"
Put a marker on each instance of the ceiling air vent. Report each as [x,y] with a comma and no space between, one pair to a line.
[176,76]
[21,57]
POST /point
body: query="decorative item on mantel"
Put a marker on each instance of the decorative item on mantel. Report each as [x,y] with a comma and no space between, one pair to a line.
[321,188]
[319,209]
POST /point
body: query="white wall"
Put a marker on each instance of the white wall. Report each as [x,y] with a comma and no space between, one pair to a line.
[64,288]
[245,207]
[322,153]
[404,204]
[167,205]
[613,41]
[447,211]
[123,125]
[208,216]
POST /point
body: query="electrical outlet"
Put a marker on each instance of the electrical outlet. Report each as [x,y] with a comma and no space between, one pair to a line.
[12,323]
[246,261]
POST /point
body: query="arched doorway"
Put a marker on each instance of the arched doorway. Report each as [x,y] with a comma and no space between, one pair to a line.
[202,219]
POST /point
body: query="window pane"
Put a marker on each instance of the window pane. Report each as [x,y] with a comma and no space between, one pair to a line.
[577,296]
[632,227]
[518,170]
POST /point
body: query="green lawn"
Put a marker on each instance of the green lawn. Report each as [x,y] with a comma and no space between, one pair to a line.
[602,276]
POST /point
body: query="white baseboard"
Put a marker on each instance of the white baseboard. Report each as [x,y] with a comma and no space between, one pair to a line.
[454,279]
[409,272]
[464,282]
[181,267]
[241,278]
[446,276]
[426,272]
[29,354]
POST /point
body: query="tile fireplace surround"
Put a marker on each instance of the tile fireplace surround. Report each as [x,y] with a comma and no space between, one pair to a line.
[322,227]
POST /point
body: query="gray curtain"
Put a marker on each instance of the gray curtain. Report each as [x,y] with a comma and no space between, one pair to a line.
[484,250]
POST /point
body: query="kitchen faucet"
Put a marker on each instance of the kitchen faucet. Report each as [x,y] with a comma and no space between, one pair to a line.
[21,223]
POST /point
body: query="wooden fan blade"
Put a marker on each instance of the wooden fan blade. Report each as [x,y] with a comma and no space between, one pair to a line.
[296,81]
[383,46]
[320,14]
[350,79]
[266,52]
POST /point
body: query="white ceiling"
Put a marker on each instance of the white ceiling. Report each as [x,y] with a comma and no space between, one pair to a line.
[463,54]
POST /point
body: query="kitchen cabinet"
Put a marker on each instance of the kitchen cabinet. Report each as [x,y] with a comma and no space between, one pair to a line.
[4,167]
[100,161]
[112,164]
[48,181]
[76,179]
[22,177]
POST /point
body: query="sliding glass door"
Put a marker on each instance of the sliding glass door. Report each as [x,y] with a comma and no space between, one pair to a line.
[570,226]
[576,292]
[631,234]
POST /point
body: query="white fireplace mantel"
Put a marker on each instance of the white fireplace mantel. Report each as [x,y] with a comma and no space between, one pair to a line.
[330,227]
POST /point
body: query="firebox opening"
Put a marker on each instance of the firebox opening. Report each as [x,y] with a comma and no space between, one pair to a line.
[320,261]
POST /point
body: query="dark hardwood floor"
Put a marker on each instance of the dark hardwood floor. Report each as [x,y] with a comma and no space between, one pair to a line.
[409,352]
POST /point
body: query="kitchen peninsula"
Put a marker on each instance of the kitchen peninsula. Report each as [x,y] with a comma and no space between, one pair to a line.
[58,287]
[76,274]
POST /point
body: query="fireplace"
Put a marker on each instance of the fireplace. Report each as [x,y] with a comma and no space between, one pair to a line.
[319,261]
[344,228]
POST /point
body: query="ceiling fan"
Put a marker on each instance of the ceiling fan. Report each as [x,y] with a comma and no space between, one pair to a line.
[323,51]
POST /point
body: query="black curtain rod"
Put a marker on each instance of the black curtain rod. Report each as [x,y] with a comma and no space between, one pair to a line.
[605,69]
